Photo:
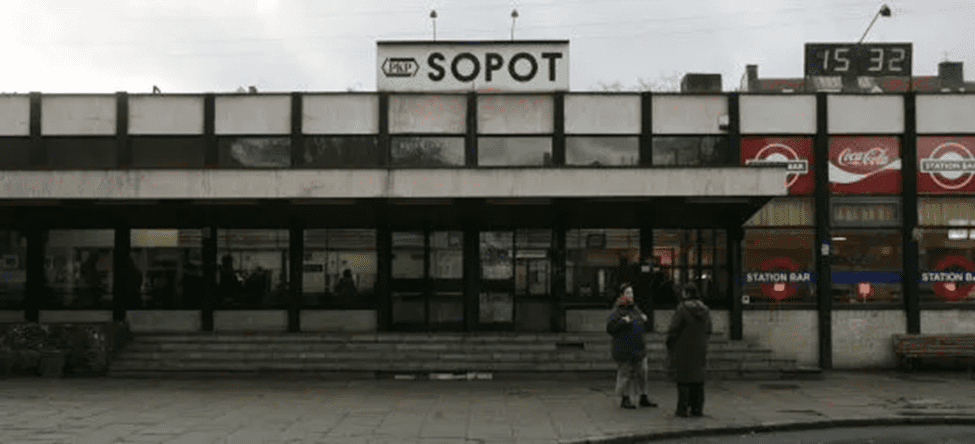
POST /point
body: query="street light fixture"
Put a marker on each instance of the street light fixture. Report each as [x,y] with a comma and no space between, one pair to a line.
[433,17]
[514,15]
[884,11]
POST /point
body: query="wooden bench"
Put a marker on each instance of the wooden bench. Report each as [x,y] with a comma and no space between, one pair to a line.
[911,348]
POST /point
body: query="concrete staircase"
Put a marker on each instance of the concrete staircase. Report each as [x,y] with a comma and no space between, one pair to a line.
[420,356]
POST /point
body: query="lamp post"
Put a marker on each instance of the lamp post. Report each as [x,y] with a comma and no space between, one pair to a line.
[514,15]
[433,18]
[884,11]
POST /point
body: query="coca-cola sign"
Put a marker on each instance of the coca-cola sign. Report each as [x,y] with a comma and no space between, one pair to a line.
[794,153]
[865,165]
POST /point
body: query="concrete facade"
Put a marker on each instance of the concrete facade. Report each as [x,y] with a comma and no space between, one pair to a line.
[346,321]
[947,321]
[164,321]
[790,334]
[250,320]
[864,338]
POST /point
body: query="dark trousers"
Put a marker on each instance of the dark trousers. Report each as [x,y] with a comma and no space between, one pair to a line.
[690,396]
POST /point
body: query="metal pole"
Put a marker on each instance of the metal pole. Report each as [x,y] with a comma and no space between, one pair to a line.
[868,27]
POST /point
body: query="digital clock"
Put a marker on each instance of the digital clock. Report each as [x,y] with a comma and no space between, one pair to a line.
[851,59]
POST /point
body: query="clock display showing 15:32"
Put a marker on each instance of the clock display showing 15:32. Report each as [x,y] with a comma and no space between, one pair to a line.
[868,59]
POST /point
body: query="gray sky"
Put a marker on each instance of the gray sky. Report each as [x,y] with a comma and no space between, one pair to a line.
[330,45]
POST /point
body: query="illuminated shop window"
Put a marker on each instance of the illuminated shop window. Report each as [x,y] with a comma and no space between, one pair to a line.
[866,266]
[947,250]
[779,266]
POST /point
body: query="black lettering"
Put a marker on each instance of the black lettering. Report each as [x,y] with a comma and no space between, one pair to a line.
[552,57]
[514,61]
[474,72]
[440,71]
[492,62]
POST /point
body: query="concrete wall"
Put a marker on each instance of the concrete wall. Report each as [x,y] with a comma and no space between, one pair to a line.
[356,321]
[375,183]
[47,316]
[790,334]
[152,321]
[786,114]
[585,320]
[864,338]
[156,114]
[861,114]
[12,316]
[691,114]
[14,115]
[340,114]
[719,321]
[78,115]
[253,114]
[603,114]
[945,113]
[947,321]
[515,114]
[445,114]
[250,320]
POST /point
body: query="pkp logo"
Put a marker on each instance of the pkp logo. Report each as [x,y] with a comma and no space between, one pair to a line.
[400,67]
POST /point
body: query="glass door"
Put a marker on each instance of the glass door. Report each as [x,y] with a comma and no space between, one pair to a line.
[427,280]
[516,280]
[496,299]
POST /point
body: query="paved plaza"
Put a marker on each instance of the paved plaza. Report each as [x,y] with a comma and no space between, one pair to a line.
[280,409]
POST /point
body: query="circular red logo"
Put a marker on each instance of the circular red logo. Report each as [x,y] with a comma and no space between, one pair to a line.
[779,290]
[953,290]
[951,180]
[778,153]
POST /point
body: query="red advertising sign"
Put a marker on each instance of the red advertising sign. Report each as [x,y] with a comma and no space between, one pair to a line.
[946,164]
[952,278]
[795,153]
[865,165]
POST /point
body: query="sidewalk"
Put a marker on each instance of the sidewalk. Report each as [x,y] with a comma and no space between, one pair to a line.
[285,410]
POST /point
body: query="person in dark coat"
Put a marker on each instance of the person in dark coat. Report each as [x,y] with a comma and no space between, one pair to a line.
[687,346]
[626,324]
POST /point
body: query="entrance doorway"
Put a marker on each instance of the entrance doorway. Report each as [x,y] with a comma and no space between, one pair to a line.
[515,280]
[427,280]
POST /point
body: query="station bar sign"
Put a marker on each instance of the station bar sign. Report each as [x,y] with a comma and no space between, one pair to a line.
[461,66]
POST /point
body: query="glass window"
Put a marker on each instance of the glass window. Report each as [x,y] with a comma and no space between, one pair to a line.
[168,152]
[947,257]
[446,303]
[779,265]
[598,261]
[339,270]
[692,151]
[14,153]
[696,256]
[599,151]
[81,152]
[255,152]
[252,268]
[408,250]
[866,266]
[341,151]
[496,297]
[784,211]
[13,278]
[78,269]
[514,151]
[425,152]
[166,269]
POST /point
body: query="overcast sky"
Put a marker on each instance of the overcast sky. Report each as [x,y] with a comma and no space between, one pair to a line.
[330,45]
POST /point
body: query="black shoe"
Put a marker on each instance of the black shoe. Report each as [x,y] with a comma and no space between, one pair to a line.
[626,404]
[681,413]
[645,402]
[697,413]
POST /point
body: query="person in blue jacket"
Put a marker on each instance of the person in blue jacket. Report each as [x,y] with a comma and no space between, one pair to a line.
[627,325]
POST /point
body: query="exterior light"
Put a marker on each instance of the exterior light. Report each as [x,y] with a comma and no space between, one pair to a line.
[884,11]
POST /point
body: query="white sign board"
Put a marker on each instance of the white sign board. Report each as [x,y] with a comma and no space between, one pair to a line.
[536,66]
